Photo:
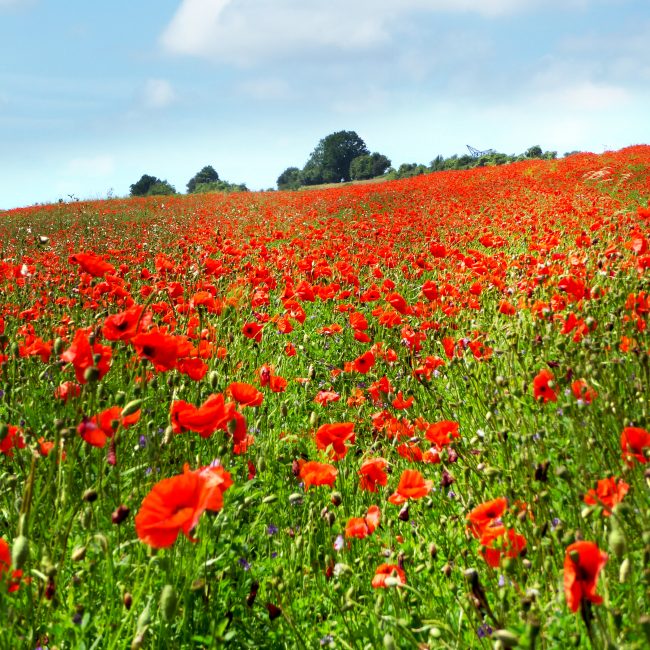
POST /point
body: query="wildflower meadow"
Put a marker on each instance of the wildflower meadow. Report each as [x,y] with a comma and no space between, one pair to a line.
[410,414]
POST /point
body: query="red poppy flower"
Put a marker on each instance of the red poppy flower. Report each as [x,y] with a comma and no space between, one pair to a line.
[441,433]
[314,473]
[245,394]
[634,442]
[582,391]
[325,397]
[361,527]
[498,541]
[384,571]
[66,390]
[583,563]
[400,403]
[91,263]
[333,437]
[486,515]
[126,324]
[412,485]
[372,474]
[80,354]
[5,556]
[157,346]
[253,331]
[13,440]
[608,493]
[175,504]
[212,415]
[365,362]
[542,390]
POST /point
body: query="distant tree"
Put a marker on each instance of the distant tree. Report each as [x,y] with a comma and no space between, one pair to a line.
[534,152]
[549,155]
[332,157]
[161,188]
[368,166]
[312,173]
[143,185]
[206,175]
[437,164]
[219,186]
[289,179]
[571,153]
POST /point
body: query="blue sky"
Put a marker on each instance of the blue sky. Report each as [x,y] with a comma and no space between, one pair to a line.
[94,94]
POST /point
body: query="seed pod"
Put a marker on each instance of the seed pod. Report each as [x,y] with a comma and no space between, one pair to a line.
[19,552]
[313,419]
[131,407]
[168,602]
[78,554]
[127,599]
[336,498]
[624,571]
[617,542]
[91,374]
[90,495]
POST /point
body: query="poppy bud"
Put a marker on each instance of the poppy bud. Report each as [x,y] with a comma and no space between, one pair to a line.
[433,551]
[404,513]
[127,599]
[617,543]
[78,554]
[120,514]
[624,571]
[91,374]
[507,638]
[131,408]
[313,419]
[446,570]
[19,552]
[336,498]
[168,602]
[120,398]
[389,642]
[284,409]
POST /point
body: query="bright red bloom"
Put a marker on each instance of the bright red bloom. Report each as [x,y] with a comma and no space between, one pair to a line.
[91,263]
[583,563]
[175,504]
[365,362]
[96,430]
[541,386]
[412,485]
[498,541]
[634,442]
[334,437]
[157,346]
[441,433]
[486,515]
[314,473]
[245,394]
[581,390]
[125,325]
[388,571]
[326,397]
[66,390]
[361,527]
[13,440]
[372,474]
[80,355]
[253,331]
[608,493]
[5,556]
[213,414]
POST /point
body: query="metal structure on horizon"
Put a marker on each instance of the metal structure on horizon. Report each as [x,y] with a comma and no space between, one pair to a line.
[477,154]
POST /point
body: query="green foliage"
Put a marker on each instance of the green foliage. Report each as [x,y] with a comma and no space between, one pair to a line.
[143,185]
[219,186]
[534,152]
[206,175]
[334,154]
[368,166]
[289,179]
[161,188]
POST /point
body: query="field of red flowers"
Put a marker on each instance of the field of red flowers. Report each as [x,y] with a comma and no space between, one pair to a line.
[403,415]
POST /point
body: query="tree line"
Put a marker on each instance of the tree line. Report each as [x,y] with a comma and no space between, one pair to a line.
[205,180]
[343,156]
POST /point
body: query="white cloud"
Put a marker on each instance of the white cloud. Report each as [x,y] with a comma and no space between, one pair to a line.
[249,31]
[92,167]
[157,93]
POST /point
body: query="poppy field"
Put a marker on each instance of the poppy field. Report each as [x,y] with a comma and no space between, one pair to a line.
[410,414]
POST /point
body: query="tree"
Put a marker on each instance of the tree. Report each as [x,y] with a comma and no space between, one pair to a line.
[161,188]
[333,155]
[206,175]
[143,185]
[534,152]
[289,179]
[368,166]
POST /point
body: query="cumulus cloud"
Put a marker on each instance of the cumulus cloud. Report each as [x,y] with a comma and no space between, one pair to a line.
[157,93]
[246,32]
